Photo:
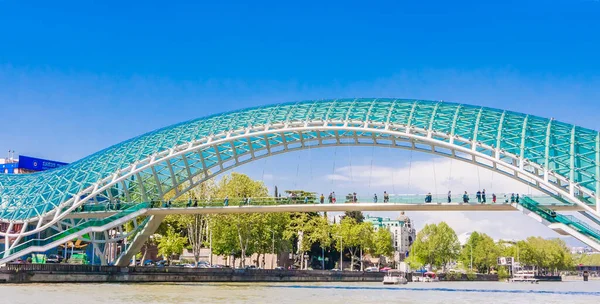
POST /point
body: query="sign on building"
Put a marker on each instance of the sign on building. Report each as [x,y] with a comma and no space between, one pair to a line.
[38,164]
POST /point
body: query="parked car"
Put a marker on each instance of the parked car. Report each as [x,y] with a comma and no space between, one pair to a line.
[372,269]
[148,263]
[279,268]
[54,259]
[385,269]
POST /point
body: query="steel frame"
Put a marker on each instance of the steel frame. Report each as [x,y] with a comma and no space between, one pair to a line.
[551,156]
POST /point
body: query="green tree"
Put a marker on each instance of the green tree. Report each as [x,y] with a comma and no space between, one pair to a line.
[320,232]
[353,236]
[269,234]
[356,215]
[383,244]
[245,225]
[170,244]
[299,228]
[436,245]
[545,254]
[483,251]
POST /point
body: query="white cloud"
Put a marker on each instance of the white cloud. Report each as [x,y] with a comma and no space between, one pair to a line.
[439,175]
[434,175]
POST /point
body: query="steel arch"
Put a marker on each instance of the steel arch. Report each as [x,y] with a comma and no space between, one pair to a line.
[555,156]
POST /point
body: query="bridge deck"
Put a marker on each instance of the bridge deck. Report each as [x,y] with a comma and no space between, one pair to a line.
[340,207]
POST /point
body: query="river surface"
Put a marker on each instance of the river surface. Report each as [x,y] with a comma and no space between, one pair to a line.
[312,293]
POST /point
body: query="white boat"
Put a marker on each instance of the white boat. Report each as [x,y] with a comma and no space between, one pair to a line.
[395,277]
[524,276]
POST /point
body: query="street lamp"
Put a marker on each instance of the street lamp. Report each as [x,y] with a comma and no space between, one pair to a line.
[272,248]
[471,267]
[341,253]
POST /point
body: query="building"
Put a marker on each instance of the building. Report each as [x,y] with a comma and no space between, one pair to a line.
[402,230]
[27,164]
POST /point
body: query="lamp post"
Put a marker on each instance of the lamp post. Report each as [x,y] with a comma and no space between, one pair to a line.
[272,248]
[341,253]
[471,256]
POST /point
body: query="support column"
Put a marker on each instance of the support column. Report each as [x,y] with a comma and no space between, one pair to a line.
[7,240]
[139,240]
[597,192]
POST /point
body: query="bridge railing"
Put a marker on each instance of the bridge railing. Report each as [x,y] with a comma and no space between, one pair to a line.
[552,217]
[75,229]
[501,198]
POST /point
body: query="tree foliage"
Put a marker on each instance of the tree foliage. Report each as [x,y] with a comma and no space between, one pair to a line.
[383,244]
[483,251]
[542,253]
[170,244]
[436,245]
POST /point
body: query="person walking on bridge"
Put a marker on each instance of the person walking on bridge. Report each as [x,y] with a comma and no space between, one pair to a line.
[375,198]
[333,197]
[386,197]
[330,198]
[483,196]
[493,198]
[449,196]
[322,198]
[465,198]
[226,201]
[478,196]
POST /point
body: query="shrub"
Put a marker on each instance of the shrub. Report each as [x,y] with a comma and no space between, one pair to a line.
[471,276]
[503,273]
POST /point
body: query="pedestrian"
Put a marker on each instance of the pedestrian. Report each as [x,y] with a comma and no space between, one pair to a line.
[386,197]
[465,197]
[478,196]
[428,198]
[118,204]
[330,198]
[449,196]
[189,203]
[333,200]
[169,203]
[494,198]
[226,201]
[517,198]
[512,198]
[306,199]
[195,202]
[354,198]
[322,198]
[375,198]
[483,196]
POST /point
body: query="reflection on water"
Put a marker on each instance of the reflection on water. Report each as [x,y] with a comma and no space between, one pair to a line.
[442,292]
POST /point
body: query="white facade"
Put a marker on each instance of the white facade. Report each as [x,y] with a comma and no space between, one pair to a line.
[402,230]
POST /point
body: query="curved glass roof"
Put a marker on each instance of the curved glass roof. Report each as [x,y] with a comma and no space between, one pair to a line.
[568,150]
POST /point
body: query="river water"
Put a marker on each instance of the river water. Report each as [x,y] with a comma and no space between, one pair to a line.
[181,293]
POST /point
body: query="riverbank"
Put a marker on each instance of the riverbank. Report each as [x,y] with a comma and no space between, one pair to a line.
[57,273]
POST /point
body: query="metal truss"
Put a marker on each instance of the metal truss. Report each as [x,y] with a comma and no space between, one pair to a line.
[554,157]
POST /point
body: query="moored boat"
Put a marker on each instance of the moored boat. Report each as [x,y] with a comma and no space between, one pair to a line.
[395,277]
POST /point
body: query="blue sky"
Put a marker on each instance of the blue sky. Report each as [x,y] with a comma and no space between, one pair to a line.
[78,76]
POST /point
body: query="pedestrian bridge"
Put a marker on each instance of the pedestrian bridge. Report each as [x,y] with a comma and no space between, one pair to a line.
[278,204]
[558,159]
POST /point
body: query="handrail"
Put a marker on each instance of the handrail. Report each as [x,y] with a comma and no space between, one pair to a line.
[67,232]
[501,198]
[568,220]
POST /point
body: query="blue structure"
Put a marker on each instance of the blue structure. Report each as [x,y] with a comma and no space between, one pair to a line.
[556,158]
